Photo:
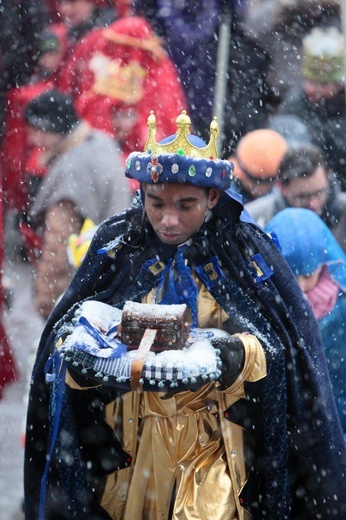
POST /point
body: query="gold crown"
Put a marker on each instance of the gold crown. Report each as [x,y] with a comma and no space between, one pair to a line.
[181,144]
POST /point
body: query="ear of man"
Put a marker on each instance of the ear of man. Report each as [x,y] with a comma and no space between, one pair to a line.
[213,197]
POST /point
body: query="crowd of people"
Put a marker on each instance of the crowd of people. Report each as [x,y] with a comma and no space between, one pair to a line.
[248,232]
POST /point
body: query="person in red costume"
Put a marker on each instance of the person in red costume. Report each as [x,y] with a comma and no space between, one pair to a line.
[124,68]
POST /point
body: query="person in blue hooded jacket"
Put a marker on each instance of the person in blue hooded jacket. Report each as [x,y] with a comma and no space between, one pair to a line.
[242,424]
[319,264]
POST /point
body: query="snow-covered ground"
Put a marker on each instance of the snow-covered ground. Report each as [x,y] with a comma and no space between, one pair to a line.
[23,327]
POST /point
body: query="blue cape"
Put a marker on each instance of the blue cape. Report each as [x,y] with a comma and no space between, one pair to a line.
[299,464]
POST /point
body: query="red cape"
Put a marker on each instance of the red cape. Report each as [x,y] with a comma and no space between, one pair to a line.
[125,65]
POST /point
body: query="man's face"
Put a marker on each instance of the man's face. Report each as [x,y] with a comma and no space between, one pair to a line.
[308,192]
[177,211]
[308,282]
[49,61]
[124,123]
[43,139]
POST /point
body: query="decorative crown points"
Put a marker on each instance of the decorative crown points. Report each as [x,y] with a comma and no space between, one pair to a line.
[181,158]
[183,121]
[181,144]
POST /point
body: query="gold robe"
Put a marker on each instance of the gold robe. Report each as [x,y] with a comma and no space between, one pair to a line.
[188,460]
[182,442]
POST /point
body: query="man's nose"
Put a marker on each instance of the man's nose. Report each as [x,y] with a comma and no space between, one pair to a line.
[170,218]
[314,204]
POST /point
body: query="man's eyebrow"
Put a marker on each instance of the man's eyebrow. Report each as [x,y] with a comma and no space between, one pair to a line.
[152,196]
[184,199]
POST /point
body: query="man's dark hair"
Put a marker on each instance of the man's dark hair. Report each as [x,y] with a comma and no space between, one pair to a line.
[301,161]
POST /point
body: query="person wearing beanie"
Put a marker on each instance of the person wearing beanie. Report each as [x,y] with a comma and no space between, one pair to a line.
[324,56]
[319,99]
[182,374]
[280,26]
[256,162]
[82,180]
[52,112]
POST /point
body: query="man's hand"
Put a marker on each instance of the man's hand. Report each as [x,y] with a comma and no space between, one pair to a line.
[232,355]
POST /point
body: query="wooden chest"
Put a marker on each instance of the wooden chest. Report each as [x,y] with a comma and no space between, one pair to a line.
[170,321]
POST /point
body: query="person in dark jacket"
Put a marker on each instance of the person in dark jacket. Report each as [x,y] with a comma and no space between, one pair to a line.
[240,423]
[320,100]
[189,29]
[279,27]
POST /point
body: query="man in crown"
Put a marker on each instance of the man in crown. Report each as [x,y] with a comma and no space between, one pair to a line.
[242,424]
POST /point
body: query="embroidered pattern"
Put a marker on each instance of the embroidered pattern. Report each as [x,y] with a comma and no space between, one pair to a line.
[154,169]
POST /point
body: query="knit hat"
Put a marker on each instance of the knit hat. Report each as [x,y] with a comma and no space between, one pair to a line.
[53,112]
[258,155]
[180,158]
[324,55]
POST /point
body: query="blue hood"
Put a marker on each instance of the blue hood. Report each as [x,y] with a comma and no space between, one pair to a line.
[307,243]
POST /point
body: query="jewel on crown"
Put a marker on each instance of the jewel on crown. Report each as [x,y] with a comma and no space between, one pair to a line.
[181,144]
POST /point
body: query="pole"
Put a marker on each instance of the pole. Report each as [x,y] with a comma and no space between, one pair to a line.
[223,51]
[343,22]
